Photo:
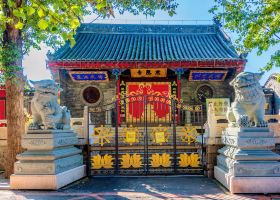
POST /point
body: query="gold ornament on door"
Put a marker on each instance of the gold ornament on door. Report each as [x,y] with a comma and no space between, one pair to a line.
[99,162]
[160,135]
[134,161]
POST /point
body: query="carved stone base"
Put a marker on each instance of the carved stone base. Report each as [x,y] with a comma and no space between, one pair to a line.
[47,182]
[48,167]
[248,138]
[247,160]
[235,184]
[48,139]
[50,156]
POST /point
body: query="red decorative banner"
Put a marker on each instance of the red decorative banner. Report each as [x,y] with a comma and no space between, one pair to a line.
[158,97]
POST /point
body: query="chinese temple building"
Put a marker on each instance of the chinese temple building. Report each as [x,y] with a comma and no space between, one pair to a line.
[199,59]
[272,86]
[146,87]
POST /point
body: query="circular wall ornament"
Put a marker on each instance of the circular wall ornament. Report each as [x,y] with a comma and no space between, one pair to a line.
[91,95]
[204,92]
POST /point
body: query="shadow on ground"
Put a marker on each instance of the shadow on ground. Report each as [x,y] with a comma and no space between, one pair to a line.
[184,187]
[173,185]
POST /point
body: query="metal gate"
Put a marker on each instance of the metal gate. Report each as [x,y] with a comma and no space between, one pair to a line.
[145,135]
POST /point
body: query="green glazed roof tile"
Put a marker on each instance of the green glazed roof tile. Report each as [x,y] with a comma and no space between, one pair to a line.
[115,42]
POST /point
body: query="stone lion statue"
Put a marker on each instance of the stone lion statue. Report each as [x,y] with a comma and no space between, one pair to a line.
[46,112]
[248,107]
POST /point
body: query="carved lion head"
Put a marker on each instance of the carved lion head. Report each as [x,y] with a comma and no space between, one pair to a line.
[246,80]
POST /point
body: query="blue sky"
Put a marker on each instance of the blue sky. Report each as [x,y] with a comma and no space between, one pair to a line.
[35,62]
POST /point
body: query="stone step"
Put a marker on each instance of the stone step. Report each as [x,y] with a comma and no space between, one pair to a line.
[48,167]
[239,154]
[49,155]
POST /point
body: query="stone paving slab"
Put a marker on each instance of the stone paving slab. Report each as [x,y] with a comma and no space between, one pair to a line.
[124,188]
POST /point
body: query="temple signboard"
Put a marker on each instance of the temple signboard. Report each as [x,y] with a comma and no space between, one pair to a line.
[144,73]
[220,105]
[81,76]
[213,75]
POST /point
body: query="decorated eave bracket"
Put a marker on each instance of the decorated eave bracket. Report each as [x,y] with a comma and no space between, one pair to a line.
[179,72]
[117,72]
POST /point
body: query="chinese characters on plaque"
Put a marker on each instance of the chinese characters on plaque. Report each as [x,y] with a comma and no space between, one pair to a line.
[122,98]
[213,75]
[98,76]
[220,105]
[144,73]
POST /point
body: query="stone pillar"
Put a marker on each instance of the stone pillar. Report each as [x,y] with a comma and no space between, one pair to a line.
[246,164]
[50,162]
[212,138]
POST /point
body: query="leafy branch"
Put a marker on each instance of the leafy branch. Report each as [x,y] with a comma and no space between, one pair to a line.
[256,22]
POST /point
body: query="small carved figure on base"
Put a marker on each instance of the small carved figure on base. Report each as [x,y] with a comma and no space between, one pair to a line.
[248,108]
[46,112]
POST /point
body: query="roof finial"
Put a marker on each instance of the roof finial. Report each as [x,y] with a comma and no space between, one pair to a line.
[217,22]
[243,55]
[50,55]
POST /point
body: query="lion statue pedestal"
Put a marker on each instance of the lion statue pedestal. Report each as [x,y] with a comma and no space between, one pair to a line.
[51,161]
[246,163]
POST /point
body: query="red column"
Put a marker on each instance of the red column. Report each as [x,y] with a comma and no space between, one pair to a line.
[119,99]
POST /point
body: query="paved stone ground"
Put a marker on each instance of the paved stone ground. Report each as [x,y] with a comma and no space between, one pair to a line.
[157,188]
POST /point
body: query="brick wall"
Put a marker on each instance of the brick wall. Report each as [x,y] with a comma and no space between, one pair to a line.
[221,90]
[71,96]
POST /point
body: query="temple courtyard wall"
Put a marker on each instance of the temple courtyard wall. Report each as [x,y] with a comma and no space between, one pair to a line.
[220,89]
[72,94]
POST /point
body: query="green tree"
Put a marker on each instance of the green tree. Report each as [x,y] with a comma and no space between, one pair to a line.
[25,24]
[256,22]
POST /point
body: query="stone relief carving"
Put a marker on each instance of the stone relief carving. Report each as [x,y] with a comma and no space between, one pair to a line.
[256,141]
[228,151]
[248,108]
[65,164]
[225,162]
[256,171]
[46,112]
[37,142]
[229,141]
[66,141]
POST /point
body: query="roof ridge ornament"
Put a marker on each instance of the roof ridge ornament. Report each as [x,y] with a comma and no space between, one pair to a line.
[217,22]
[243,55]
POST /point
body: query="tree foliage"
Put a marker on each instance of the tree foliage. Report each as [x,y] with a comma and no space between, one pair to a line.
[257,23]
[55,21]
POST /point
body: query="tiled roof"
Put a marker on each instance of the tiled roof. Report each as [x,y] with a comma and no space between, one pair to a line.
[115,42]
